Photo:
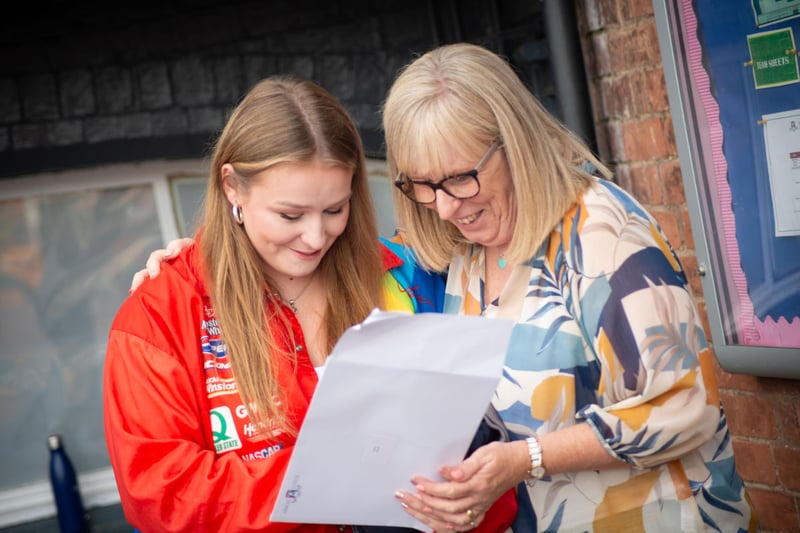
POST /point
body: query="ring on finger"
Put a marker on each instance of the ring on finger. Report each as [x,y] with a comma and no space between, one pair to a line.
[471,517]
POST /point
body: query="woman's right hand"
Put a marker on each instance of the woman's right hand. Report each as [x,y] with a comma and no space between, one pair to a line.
[153,265]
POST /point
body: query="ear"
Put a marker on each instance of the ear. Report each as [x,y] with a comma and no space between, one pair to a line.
[229,183]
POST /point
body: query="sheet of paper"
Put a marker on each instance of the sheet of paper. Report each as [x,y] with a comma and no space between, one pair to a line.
[401,395]
[782,142]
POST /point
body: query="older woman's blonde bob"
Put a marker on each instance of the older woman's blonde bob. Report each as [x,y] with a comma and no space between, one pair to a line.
[457,99]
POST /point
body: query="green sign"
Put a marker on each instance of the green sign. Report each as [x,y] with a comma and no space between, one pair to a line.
[773,58]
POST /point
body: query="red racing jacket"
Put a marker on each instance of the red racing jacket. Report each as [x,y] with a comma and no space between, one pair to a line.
[183,449]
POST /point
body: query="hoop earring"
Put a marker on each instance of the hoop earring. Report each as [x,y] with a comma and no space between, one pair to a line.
[237,214]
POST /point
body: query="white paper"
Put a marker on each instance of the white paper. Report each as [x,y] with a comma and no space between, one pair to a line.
[401,395]
[782,142]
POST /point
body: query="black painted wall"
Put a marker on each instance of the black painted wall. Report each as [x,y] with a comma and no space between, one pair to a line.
[88,83]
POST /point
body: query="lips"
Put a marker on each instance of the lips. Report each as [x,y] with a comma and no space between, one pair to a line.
[469,219]
[307,255]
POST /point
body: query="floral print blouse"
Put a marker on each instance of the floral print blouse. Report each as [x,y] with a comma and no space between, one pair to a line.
[608,335]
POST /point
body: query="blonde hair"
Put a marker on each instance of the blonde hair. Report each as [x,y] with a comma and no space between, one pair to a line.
[462,97]
[283,119]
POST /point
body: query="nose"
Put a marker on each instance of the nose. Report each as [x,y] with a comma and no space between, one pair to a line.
[314,233]
[445,205]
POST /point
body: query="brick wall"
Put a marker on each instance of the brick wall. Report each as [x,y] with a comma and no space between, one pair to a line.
[635,134]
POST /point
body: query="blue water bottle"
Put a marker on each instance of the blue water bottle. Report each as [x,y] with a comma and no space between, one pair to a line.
[72,517]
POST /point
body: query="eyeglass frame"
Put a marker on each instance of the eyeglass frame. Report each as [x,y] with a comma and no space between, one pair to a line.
[403,178]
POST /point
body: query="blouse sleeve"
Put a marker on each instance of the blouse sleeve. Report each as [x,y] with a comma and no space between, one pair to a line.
[657,397]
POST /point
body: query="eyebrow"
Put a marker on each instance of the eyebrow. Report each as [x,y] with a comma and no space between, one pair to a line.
[293,205]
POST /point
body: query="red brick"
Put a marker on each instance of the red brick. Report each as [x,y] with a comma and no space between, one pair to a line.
[644,184]
[617,97]
[599,60]
[635,9]
[657,98]
[598,13]
[749,415]
[787,464]
[780,386]
[754,462]
[632,46]
[670,148]
[777,512]
[686,222]
[615,141]
[689,262]
[739,382]
[670,174]
[645,139]
[787,412]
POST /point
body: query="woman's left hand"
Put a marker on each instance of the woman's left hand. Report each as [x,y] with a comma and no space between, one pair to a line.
[470,488]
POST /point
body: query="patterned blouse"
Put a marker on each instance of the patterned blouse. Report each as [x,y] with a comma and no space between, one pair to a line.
[607,334]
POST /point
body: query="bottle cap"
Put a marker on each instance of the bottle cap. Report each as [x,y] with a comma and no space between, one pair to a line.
[54,442]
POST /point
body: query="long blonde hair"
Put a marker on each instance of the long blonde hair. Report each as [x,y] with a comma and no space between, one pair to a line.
[283,119]
[462,97]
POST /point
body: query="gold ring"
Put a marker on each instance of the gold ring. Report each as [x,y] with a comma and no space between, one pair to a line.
[471,517]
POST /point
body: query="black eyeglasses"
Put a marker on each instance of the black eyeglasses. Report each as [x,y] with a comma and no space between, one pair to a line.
[460,186]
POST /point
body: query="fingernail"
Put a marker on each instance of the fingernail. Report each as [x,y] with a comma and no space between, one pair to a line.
[404,505]
[398,495]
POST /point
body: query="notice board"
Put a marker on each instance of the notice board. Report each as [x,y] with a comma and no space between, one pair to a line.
[734,90]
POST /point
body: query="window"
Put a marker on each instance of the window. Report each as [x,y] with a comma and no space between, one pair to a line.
[69,245]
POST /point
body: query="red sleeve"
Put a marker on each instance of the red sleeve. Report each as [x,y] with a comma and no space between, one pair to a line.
[169,478]
[500,515]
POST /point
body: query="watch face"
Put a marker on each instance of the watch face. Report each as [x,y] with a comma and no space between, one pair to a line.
[538,472]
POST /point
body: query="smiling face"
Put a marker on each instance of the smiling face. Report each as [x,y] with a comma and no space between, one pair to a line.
[487,218]
[292,213]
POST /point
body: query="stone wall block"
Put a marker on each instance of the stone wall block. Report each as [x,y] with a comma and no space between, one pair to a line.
[77,93]
[193,81]
[228,76]
[114,90]
[256,68]
[27,136]
[155,89]
[64,133]
[206,120]
[39,97]
[173,121]
[10,108]
[338,76]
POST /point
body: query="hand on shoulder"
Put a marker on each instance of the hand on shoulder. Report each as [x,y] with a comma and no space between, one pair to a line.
[153,264]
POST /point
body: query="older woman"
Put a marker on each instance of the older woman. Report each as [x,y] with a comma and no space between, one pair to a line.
[609,389]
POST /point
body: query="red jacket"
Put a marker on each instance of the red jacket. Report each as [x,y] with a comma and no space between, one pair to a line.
[178,435]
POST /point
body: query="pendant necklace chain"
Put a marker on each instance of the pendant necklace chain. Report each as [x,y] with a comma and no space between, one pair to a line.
[501,260]
[291,302]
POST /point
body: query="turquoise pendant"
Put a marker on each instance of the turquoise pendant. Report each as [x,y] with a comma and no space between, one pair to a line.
[501,262]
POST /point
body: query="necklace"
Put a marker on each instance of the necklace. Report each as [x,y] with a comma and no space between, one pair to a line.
[291,301]
[501,261]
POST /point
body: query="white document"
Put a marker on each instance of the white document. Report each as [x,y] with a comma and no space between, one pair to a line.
[401,395]
[782,142]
